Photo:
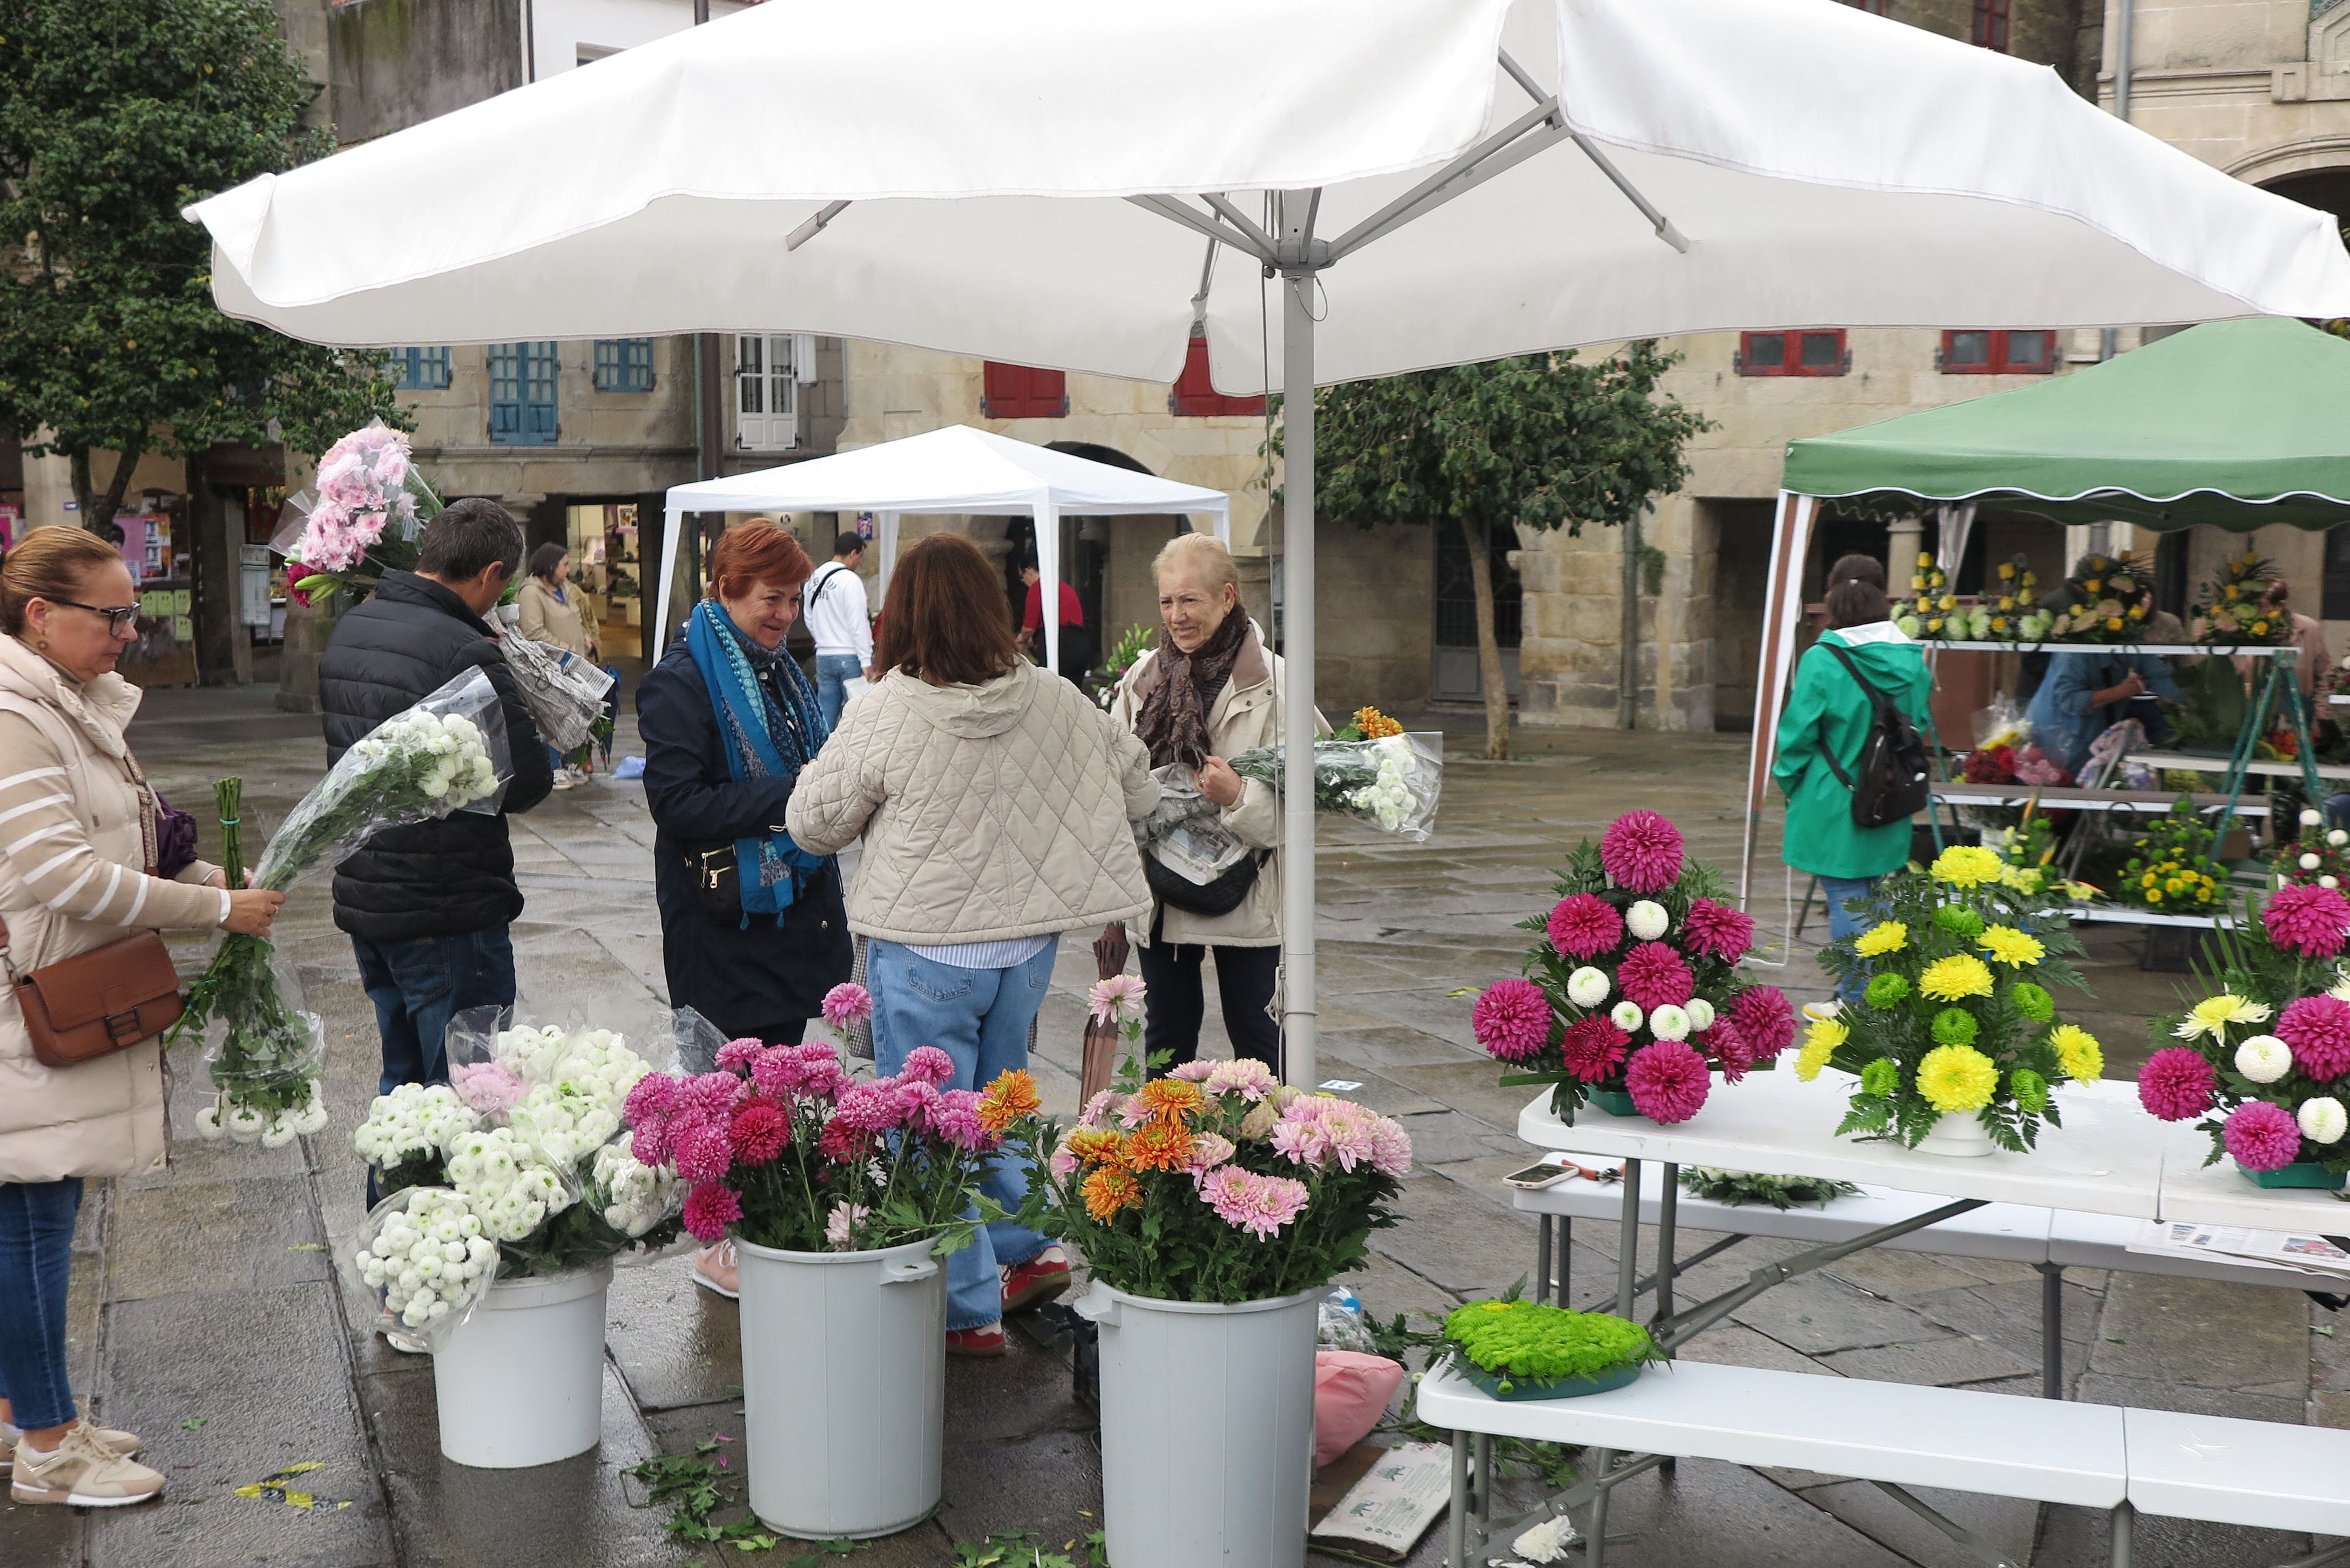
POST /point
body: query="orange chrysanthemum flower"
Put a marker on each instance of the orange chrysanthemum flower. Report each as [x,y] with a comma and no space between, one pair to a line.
[1376,725]
[1097,1146]
[1160,1146]
[1012,1097]
[1169,1099]
[1109,1190]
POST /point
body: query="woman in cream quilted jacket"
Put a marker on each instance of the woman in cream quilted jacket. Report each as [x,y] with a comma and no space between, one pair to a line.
[995,802]
[77,857]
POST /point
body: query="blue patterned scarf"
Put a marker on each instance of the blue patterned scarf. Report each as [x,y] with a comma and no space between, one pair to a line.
[770,728]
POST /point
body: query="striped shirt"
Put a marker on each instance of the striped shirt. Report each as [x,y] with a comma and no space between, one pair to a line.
[988,955]
[49,851]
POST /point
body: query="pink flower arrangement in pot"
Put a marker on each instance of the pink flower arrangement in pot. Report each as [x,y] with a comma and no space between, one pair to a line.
[1631,999]
[2263,1065]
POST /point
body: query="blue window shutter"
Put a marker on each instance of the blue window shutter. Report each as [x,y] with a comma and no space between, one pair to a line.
[505,395]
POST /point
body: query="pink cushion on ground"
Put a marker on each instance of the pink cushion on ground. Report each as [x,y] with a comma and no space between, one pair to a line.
[1351,1391]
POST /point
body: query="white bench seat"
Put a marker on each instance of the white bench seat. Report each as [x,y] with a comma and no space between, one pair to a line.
[1904,1433]
[2265,1474]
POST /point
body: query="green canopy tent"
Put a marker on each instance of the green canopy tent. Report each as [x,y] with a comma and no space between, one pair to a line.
[2234,424]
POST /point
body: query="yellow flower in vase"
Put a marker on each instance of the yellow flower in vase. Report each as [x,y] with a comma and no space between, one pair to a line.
[1957,1078]
[2077,1053]
[1819,1043]
[1885,937]
[1967,866]
[1959,975]
[2010,947]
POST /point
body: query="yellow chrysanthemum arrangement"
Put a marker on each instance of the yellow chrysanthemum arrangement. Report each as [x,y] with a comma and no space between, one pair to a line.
[1947,1008]
[2173,872]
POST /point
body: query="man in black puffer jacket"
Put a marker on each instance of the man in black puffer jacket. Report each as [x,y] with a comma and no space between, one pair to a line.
[426,907]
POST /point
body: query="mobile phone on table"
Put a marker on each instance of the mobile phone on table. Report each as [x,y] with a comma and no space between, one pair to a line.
[1535,1178]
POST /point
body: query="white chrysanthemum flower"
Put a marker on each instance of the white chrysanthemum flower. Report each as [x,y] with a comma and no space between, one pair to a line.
[1669,1023]
[2337,837]
[1647,920]
[1587,987]
[2323,1119]
[2309,816]
[1626,1017]
[1700,1013]
[2263,1059]
[1549,1542]
[2329,881]
[2311,862]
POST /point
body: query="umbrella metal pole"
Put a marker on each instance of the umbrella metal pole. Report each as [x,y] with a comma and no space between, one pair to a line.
[1298,1031]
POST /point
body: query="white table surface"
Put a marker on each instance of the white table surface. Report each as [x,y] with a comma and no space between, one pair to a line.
[2221,1195]
[2105,1160]
[2268,1474]
[2261,766]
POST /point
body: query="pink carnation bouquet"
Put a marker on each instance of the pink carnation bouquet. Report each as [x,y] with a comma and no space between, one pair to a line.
[2262,1065]
[781,1148]
[367,517]
[1216,1183]
[1631,997]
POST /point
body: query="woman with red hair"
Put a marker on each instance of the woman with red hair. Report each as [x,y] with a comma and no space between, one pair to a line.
[752,930]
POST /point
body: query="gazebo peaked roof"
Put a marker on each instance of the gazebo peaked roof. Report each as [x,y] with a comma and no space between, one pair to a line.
[2238,424]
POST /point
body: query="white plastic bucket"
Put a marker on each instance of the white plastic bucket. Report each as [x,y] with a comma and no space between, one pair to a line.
[1207,1428]
[522,1382]
[844,1387]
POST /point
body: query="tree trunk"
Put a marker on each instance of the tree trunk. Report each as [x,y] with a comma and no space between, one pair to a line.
[1488,647]
[100,507]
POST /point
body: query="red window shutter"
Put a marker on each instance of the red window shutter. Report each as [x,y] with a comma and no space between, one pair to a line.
[1023,392]
[1195,393]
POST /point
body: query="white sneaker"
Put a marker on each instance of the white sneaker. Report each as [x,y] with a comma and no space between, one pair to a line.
[566,779]
[715,1270]
[406,1344]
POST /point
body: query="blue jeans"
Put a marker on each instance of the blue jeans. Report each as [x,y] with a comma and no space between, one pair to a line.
[980,1017]
[417,987]
[1842,923]
[834,671]
[36,1229]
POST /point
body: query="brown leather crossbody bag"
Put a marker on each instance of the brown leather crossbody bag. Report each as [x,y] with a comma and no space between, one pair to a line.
[97,1003]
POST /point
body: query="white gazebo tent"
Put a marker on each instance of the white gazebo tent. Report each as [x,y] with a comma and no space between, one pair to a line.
[1404,183]
[959,471]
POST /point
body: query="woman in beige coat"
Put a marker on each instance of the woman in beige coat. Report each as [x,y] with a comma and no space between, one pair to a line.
[78,833]
[1210,690]
[995,802]
[548,611]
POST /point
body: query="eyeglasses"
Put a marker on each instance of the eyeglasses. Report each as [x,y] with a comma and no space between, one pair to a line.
[119,619]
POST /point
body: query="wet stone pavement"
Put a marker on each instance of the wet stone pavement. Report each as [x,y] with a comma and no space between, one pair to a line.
[207,1315]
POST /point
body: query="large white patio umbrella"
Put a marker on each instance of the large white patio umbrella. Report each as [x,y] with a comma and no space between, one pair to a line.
[1419,182]
[958,471]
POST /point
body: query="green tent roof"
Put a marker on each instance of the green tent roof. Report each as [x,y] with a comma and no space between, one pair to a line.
[2238,424]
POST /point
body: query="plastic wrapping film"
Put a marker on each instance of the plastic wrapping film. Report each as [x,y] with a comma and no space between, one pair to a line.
[563,692]
[425,1256]
[1393,782]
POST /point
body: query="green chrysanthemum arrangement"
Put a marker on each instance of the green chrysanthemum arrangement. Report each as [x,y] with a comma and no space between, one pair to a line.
[1954,1015]
[1523,1342]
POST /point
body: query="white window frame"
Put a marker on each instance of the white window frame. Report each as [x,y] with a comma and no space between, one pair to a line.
[769,370]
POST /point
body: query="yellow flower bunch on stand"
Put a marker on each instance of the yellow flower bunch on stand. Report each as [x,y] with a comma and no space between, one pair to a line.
[1953,1013]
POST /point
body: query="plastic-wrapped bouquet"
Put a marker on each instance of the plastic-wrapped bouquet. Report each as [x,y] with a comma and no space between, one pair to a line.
[780,1147]
[563,692]
[446,753]
[1219,1183]
[1632,1000]
[367,516]
[424,1255]
[1955,1016]
[1371,769]
[528,1136]
[2260,1063]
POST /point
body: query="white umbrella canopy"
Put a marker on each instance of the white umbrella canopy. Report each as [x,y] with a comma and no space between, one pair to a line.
[1433,181]
[958,471]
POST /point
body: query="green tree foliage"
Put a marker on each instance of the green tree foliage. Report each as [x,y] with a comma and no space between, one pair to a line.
[1545,440]
[113,117]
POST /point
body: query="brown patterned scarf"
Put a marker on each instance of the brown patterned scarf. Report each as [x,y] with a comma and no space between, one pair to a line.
[1173,722]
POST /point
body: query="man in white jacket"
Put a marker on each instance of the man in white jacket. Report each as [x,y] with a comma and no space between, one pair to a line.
[834,604]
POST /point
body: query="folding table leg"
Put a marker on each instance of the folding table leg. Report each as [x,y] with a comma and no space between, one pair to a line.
[1456,1527]
[1565,1257]
[1542,1258]
[2051,1330]
[1627,1242]
[1667,1212]
[2124,1517]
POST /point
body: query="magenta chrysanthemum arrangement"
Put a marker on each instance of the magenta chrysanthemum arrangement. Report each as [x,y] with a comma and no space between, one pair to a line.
[1667,1081]
[2307,920]
[1641,852]
[1215,1183]
[2262,1066]
[781,1148]
[1639,952]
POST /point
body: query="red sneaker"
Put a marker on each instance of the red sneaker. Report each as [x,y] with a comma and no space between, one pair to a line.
[1041,1278]
[987,1339]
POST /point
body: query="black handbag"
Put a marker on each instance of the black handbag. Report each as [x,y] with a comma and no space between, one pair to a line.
[1221,896]
[717,881]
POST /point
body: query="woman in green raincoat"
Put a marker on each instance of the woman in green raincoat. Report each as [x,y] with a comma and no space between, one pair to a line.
[1829,716]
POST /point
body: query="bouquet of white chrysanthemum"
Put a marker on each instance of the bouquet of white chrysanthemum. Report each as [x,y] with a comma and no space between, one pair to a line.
[446,753]
[425,1256]
[1391,782]
[633,1197]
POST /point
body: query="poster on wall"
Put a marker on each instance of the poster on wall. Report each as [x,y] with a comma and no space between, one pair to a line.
[12,523]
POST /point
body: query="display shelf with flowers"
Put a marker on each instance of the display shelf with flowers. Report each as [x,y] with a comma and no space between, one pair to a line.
[2233,611]
[2266,1051]
[1955,1022]
[2319,856]
[1516,1349]
[2173,872]
[2028,851]
[1632,1000]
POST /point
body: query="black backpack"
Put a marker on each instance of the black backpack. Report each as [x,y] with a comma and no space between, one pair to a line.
[1895,775]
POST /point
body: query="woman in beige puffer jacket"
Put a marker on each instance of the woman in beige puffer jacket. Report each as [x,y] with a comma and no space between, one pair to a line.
[78,831]
[995,803]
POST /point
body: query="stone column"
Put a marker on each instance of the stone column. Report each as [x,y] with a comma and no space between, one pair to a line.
[1904,537]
